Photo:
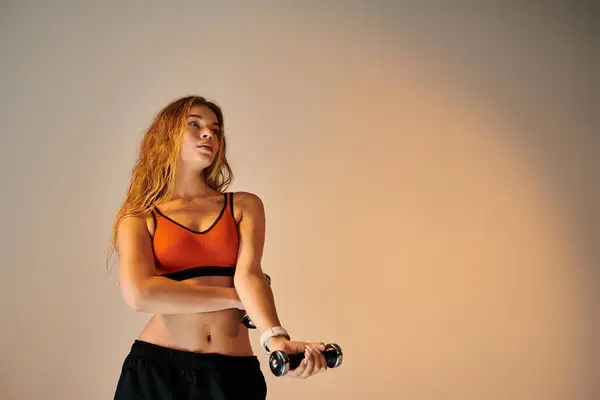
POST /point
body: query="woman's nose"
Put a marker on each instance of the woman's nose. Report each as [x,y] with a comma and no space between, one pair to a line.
[206,134]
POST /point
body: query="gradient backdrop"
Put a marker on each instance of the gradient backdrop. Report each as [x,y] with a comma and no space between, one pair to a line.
[429,169]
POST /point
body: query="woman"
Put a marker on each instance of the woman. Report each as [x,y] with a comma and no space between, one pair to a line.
[190,253]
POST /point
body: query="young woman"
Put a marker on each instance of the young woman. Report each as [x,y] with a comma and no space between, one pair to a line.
[190,253]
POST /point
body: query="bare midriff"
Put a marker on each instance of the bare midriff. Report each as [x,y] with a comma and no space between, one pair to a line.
[210,332]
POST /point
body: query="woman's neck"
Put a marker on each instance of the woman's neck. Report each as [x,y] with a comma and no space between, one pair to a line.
[190,184]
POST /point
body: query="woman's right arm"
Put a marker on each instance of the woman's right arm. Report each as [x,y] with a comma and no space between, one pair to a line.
[145,291]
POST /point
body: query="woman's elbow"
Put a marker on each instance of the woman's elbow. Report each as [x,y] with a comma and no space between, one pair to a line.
[246,277]
[134,297]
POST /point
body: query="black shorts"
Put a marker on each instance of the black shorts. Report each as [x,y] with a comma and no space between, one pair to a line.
[152,372]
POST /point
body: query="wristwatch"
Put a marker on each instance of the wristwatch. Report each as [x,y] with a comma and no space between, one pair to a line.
[272,332]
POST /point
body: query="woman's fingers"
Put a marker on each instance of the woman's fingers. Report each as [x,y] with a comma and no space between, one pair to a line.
[309,359]
[320,362]
[313,362]
[317,362]
[296,372]
[299,370]
[317,345]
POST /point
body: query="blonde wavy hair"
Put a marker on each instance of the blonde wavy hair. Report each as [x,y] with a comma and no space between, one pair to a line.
[153,176]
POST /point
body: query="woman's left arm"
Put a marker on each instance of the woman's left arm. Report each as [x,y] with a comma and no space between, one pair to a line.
[252,288]
[255,292]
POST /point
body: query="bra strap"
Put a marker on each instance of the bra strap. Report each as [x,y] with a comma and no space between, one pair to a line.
[231,204]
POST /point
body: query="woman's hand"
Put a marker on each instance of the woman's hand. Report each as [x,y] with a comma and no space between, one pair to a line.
[313,362]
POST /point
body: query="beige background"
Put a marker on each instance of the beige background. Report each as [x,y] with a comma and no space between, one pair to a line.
[430,175]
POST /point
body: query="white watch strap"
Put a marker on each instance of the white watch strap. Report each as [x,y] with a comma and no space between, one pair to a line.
[271,332]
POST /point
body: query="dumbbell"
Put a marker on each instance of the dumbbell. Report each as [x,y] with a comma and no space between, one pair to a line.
[281,363]
[246,318]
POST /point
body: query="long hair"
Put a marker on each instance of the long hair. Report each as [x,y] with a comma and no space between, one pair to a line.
[153,176]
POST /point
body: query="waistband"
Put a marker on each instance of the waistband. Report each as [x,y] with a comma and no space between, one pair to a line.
[188,359]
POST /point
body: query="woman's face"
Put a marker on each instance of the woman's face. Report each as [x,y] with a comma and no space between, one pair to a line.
[200,138]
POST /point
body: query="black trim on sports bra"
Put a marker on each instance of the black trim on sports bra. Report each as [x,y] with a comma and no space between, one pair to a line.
[225,198]
[195,272]
[155,222]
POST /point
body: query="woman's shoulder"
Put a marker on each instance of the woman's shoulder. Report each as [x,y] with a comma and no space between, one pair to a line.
[144,220]
[247,202]
[247,197]
[138,217]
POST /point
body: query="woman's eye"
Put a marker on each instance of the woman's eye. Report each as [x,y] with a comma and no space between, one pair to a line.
[215,131]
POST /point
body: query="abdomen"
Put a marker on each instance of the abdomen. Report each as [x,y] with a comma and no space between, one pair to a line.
[210,332]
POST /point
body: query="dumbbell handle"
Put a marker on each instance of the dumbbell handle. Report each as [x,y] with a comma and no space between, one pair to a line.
[281,363]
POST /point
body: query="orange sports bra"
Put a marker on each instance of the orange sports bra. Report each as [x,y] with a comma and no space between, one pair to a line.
[181,253]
